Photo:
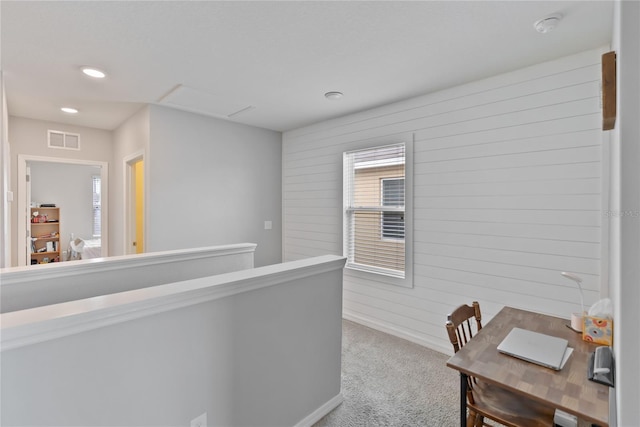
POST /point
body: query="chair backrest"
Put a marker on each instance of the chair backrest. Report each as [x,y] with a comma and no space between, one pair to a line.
[459,325]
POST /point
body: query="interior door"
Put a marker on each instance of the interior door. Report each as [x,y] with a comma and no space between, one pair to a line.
[139,205]
[135,215]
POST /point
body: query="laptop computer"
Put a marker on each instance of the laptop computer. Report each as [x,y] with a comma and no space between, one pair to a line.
[534,347]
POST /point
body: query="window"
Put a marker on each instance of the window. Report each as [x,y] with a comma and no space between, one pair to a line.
[393,197]
[97,210]
[374,210]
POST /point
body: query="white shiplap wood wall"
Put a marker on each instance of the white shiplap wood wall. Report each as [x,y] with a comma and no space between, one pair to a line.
[508,192]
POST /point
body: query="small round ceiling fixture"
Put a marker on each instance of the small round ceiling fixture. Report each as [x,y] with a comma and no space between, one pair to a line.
[548,24]
[94,72]
[333,95]
[69,110]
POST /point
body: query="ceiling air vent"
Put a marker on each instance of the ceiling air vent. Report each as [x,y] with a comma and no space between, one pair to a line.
[64,140]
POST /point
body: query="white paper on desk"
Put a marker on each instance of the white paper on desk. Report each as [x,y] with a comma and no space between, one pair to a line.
[567,353]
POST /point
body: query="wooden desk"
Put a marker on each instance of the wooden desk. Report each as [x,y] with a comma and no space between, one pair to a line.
[567,389]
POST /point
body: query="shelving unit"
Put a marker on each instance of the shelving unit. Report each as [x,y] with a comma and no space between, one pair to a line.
[44,233]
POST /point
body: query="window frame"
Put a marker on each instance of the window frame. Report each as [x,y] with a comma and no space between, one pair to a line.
[379,275]
[96,225]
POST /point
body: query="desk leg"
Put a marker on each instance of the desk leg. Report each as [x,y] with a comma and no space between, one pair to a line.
[463,399]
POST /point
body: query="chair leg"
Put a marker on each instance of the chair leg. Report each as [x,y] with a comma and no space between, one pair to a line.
[479,421]
[472,419]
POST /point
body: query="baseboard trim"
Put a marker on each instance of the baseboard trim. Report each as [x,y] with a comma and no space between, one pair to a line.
[317,415]
[396,332]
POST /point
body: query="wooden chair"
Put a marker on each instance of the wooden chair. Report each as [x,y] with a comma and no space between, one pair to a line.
[485,400]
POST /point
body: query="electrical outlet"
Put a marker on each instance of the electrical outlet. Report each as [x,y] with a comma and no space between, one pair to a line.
[268,225]
[200,421]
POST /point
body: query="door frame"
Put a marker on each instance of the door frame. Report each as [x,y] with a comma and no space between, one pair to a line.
[129,213]
[23,203]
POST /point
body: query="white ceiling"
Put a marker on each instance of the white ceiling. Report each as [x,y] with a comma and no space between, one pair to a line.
[278,57]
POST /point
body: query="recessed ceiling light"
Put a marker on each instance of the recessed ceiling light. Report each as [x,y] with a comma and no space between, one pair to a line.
[69,110]
[94,72]
[548,24]
[333,95]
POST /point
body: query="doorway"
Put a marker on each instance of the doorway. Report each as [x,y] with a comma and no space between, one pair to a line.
[135,223]
[61,182]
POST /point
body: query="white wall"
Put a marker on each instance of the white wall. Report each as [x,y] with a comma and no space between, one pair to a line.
[188,176]
[23,287]
[507,193]
[212,182]
[625,245]
[258,347]
[69,187]
[29,137]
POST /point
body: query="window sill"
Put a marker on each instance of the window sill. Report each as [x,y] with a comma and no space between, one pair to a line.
[379,277]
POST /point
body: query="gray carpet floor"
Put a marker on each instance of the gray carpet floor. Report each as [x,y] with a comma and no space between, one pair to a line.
[388,381]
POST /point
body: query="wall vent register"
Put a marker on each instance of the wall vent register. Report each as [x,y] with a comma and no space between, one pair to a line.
[63,140]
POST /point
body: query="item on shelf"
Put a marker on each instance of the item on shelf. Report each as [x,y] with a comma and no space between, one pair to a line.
[39,219]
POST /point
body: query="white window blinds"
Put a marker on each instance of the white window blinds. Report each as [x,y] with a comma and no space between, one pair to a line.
[393,196]
[374,209]
[97,203]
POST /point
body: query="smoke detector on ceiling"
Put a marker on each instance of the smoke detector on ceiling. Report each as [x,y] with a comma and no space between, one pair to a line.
[548,24]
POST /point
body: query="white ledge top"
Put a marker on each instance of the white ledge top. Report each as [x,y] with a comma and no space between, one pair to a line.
[26,327]
[96,265]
